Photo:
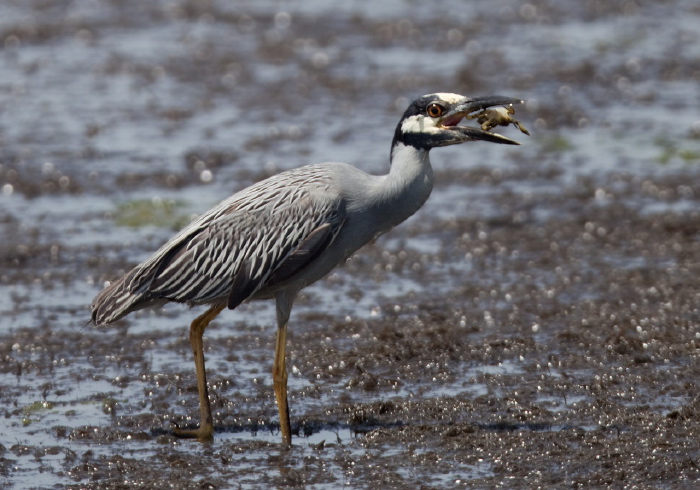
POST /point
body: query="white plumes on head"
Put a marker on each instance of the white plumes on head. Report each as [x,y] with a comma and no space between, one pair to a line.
[449,98]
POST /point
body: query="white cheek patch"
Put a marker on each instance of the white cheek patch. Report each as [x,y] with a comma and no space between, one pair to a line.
[419,124]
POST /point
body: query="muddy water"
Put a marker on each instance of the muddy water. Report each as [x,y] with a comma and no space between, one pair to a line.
[536,324]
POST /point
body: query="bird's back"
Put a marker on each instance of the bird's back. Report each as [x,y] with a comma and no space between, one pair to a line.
[255,230]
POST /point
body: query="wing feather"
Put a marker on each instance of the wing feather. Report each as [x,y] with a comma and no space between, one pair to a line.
[260,236]
[315,243]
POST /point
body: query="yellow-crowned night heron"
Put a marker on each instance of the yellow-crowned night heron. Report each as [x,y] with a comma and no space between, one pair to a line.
[285,232]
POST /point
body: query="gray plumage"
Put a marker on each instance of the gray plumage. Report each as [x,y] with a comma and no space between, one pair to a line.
[264,238]
[243,241]
[274,238]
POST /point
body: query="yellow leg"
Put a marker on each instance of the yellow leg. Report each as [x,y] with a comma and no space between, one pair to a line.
[206,426]
[279,379]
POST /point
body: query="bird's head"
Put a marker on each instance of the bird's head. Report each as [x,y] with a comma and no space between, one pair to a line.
[432,120]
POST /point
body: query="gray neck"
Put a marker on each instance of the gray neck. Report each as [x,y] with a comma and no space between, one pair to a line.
[408,184]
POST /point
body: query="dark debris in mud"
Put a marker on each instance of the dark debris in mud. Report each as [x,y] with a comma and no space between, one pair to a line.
[568,356]
[551,339]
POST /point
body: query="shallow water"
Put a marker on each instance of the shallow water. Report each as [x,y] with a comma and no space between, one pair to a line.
[535,324]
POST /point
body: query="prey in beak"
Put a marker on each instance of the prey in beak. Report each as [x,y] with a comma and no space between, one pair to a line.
[433,120]
[490,111]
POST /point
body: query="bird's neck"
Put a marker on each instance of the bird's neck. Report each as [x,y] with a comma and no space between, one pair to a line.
[409,182]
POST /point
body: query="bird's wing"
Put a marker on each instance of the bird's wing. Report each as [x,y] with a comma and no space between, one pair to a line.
[260,236]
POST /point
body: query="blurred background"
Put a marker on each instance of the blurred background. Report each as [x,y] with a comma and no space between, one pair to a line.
[568,259]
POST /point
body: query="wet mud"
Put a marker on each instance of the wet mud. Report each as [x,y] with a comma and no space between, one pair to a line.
[536,324]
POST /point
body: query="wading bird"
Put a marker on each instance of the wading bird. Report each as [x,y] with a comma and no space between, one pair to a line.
[280,235]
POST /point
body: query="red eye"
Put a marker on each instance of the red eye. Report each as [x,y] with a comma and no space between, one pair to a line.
[434,110]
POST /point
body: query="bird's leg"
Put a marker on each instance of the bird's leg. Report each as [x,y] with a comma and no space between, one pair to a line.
[206,426]
[279,368]
[279,377]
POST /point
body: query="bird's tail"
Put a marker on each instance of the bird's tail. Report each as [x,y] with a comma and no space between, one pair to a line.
[115,301]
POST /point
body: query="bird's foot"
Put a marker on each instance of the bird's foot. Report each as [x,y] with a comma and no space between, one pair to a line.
[203,433]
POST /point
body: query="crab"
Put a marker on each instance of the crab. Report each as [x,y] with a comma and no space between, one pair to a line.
[497,116]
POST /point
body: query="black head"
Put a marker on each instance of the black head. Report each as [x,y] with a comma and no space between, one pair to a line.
[431,120]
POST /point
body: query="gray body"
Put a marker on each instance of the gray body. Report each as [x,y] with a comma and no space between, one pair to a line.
[263,226]
[274,238]
[285,232]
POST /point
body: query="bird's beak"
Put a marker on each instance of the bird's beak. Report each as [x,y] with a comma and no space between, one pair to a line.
[469,106]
